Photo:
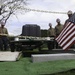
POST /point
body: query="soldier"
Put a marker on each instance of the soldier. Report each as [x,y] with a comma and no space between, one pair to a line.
[69,13]
[58,29]
[51,33]
[3,37]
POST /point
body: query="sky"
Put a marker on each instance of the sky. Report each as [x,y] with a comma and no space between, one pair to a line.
[15,22]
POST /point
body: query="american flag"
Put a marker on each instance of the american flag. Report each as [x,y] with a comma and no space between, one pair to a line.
[67,36]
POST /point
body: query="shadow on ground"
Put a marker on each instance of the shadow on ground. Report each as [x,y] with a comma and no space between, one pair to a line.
[28,53]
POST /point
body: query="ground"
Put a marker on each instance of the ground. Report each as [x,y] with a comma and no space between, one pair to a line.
[25,67]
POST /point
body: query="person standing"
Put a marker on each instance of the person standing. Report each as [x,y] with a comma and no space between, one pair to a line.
[51,31]
[51,34]
[69,13]
[3,37]
[58,29]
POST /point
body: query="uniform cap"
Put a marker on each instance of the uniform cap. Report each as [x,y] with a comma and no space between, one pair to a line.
[50,24]
[57,20]
[69,12]
[2,23]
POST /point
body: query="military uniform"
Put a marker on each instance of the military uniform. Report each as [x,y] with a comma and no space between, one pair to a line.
[3,38]
[51,33]
[58,29]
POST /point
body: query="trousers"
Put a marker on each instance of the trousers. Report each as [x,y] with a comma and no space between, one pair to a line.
[3,43]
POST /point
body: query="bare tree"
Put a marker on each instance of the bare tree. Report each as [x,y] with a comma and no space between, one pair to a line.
[9,7]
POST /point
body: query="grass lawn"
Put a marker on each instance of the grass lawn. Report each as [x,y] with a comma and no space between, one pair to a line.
[25,67]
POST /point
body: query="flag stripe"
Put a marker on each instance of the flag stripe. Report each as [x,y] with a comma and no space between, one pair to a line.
[69,44]
[67,40]
[67,34]
[63,31]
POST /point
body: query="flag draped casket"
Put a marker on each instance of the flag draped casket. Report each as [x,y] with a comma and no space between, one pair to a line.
[31,30]
[67,36]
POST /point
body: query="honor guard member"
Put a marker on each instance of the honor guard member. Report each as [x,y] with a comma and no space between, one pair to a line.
[58,29]
[69,13]
[3,37]
[51,34]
